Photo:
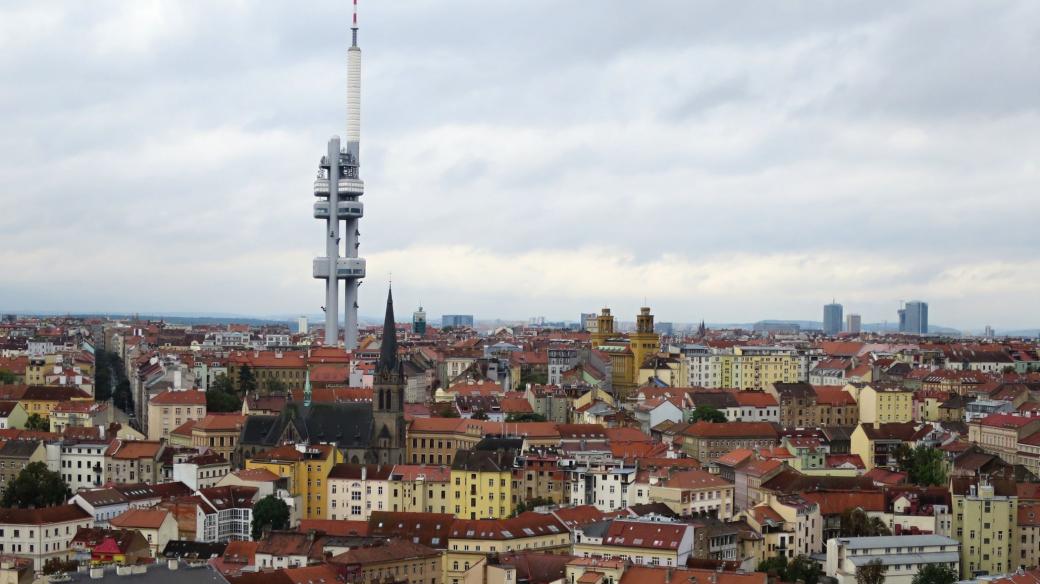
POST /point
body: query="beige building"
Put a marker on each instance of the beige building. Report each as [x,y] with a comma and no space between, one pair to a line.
[1000,434]
[16,455]
[158,526]
[170,409]
[133,461]
[421,489]
[695,493]
[397,560]
[470,542]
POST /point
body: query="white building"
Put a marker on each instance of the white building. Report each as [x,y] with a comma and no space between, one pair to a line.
[81,463]
[200,471]
[604,482]
[41,534]
[903,555]
[354,491]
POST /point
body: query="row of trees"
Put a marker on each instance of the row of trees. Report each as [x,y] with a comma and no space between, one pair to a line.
[35,486]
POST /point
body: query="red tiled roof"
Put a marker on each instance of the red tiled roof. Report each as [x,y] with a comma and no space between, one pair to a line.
[140,518]
[645,534]
[170,398]
[731,430]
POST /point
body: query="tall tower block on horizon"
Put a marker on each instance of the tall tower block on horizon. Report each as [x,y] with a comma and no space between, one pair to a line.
[339,188]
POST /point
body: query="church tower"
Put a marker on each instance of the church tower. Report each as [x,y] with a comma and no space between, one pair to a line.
[388,425]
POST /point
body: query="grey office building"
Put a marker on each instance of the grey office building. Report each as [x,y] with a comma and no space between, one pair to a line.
[913,318]
[457,320]
[832,318]
[853,324]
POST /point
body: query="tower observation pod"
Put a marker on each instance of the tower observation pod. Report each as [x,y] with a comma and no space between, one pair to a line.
[339,189]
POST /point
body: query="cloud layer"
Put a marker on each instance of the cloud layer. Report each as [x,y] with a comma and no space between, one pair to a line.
[725,162]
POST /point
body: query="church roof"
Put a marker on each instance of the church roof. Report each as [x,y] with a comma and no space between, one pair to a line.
[388,361]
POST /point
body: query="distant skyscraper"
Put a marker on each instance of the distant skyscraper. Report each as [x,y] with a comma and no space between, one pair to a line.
[832,318]
[419,322]
[853,324]
[913,318]
[457,320]
[301,325]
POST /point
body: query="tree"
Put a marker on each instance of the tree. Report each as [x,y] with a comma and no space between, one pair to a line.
[804,569]
[707,414]
[525,417]
[269,513]
[220,401]
[872,572]
[480,415]
[924,465]
[246,379]
[38,422]
[799,568]
[222,383]
[275,385]
[856,523]
[35,486]
[533,377]
[6,377]
[935,574]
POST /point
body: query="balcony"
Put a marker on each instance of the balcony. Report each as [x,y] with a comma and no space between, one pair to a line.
[347,210]
[345,268]
[351,187]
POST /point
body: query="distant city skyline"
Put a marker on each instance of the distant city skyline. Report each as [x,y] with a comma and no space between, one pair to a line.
[727,165]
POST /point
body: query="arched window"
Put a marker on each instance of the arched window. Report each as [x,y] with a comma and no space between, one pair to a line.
[380,399]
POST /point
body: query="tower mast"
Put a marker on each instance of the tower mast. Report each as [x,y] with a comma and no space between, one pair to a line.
[351,283]
[339,190]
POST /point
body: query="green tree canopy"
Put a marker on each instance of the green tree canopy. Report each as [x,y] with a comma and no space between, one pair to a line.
[220,401]
[935,574]
[34,487]
[6,377]
[246,379]
[480,415]
[856,523]
[525,417]
[872,572]
[222,383]
[924,465]
[269,513]
[799,568]
[707,414]
[38,422]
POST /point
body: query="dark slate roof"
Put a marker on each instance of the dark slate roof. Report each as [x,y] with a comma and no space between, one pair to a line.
[346,424]
[182,548]
[499,443]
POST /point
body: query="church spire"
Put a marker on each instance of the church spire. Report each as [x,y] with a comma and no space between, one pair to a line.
[388,350]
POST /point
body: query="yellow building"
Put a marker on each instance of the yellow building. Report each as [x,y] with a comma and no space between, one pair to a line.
[757,368]
[306,468]
[985,520]
[79,414]
[421,489]
[884,404]
[41,399]
[481,484]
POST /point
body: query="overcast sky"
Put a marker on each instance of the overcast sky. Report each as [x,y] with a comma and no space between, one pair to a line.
[727,161]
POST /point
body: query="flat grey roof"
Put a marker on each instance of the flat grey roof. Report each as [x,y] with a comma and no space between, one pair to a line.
[895,541]
[896,559]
